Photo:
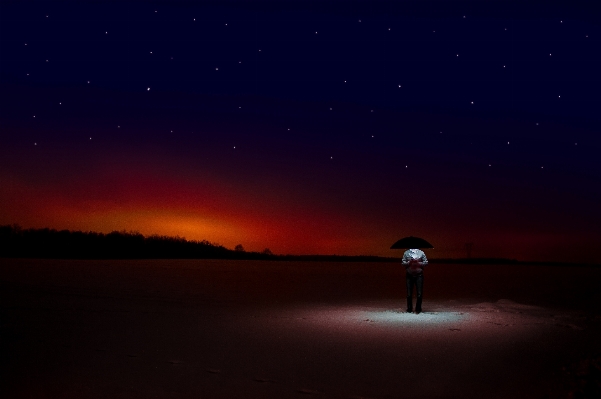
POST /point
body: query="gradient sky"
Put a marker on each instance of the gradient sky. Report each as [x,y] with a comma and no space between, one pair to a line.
[307,127]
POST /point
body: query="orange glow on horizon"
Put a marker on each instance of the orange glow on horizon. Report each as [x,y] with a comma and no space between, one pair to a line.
[132,196]
[151,203]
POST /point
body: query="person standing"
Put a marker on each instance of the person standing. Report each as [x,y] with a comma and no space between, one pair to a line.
[414,261]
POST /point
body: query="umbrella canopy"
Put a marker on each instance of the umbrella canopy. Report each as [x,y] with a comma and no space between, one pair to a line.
[411,242]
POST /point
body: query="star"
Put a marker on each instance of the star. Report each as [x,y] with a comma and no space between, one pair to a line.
[148,89]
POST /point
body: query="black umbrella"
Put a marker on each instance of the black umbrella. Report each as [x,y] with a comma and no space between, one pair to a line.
[411,242]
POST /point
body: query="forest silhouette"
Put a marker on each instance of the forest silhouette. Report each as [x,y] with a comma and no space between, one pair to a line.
[16,242]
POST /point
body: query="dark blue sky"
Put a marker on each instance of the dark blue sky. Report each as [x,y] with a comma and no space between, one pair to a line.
[307,127]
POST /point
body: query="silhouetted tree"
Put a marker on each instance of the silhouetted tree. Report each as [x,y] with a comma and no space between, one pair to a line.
[16,242]
[47,243]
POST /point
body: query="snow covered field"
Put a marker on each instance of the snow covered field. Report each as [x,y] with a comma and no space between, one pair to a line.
[250,329]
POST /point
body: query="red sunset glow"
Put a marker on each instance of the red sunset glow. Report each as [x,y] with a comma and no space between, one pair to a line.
[166,198]
[275,137]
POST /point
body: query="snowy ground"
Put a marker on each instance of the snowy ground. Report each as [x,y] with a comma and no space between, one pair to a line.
[238,329]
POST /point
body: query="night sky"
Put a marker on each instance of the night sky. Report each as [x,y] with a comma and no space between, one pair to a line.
[307,127]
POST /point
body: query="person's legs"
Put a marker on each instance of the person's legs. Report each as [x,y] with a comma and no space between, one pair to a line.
[419,283]
[410,282]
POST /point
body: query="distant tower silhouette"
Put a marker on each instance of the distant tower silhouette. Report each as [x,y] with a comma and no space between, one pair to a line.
[468,248]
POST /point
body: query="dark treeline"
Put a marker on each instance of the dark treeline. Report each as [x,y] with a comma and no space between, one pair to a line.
[64,244]
[16,242]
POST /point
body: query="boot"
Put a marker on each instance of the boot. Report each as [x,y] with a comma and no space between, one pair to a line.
[409,304]
[418,305]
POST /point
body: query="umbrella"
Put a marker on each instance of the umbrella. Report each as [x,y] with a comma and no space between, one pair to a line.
[411,242]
